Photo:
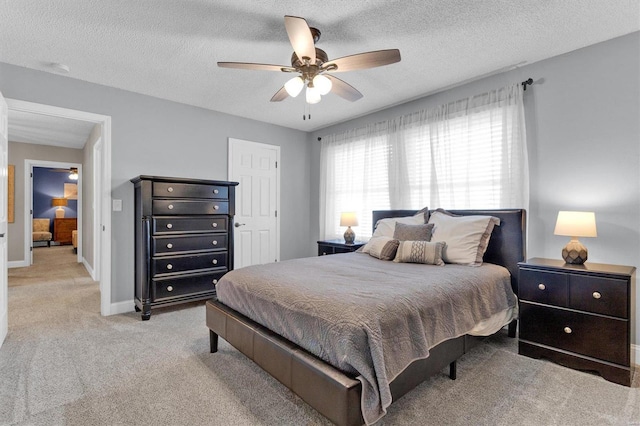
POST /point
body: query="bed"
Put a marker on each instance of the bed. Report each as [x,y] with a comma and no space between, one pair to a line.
[348,386]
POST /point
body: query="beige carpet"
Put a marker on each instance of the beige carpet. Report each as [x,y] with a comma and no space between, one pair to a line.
[56,264]
[64,364]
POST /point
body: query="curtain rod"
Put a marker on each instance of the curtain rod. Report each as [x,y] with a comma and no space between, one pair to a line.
[529,81]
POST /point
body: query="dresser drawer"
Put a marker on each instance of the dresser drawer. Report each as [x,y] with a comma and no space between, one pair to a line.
[607,296]
[174,225]
[591,335]
[188,243]
[543,287]
[183,207]
[173,264]
[166,288]
[189,190]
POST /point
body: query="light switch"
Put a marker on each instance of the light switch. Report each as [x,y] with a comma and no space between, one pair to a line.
[117,205]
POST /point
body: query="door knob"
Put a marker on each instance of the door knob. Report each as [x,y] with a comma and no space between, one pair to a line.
[238,225]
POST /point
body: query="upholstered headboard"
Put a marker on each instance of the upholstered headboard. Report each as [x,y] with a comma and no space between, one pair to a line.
[507,245]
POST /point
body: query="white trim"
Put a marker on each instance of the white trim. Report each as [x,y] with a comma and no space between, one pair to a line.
[89,269]
[122,307]
[635,355]
[105,196]
[17,264]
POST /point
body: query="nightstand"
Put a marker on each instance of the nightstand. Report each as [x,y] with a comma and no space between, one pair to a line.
[337,246]
[580,316]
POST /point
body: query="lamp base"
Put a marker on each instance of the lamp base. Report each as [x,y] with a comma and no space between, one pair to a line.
[59,213]
[574,252]
[349,236]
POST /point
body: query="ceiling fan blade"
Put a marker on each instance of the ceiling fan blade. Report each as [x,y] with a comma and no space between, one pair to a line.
[280,95]
[343,89]
[360,61]
[300,37]
[256,67]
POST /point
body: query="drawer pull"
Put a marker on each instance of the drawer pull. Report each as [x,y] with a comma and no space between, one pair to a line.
[169,245]
[170,206]
[215,281]
[542,286]
[169,266]
[214,242]
[169,225]
[568,330]
[170,189]
[169,288]
[214,224]
[214,261]
[596,295]
[215,191]
[216,207]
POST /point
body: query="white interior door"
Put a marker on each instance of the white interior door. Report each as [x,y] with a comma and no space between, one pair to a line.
[4,146]
[257,226]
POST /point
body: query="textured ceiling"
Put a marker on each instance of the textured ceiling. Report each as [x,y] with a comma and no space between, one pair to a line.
[169,48]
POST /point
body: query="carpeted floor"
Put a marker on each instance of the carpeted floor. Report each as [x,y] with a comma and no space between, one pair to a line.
[64,364]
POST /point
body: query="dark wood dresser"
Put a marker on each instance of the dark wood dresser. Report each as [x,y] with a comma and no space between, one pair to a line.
[580,316]
[62,229]
[183,239]
[337,246]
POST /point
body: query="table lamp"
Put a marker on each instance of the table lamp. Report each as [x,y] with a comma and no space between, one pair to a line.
[349,219]
[574,225]
[59,203]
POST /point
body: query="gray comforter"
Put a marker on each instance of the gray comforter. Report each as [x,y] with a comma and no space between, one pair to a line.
[367,317]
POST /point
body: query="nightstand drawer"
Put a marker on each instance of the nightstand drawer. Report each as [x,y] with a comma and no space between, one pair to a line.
[607,296]
[543,287]
[591,335]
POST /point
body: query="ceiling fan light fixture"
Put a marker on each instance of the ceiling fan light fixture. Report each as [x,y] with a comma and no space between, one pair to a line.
[313,95]
[74,174]
[322,83]
[294,86]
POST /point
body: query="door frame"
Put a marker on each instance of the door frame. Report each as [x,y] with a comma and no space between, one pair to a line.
[102,213]
[28,205]
[231,142]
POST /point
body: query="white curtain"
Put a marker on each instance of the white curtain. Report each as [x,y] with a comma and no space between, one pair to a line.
[471,153]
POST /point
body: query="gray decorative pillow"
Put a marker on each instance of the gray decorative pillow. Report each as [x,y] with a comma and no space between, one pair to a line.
[406,232]
[385,227]
[383,248]
[426,252]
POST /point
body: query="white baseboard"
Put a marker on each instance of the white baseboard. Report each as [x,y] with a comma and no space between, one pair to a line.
[89,269]
[17,264]
[635,355]
[122,307]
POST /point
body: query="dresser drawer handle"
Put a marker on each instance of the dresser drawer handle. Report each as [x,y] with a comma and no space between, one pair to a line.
[169,245]
[214,242]
[170,206]
[170,189]
[169,225]
[214,224]
[596,295]
[542,286]
[169,288]
[214,261]
[215,281]
[169,266]
[568,330]
[216,207]
[215,191]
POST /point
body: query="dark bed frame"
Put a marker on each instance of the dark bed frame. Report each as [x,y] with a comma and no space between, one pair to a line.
[327,389]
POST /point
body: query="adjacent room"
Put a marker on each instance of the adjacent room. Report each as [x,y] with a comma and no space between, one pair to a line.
[285,213]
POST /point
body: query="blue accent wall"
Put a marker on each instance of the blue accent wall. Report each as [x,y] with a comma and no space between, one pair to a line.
[48,184]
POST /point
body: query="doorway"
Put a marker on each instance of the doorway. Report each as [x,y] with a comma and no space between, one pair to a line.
[101,172]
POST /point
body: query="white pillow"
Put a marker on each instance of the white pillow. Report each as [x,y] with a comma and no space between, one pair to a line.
[383,248]
[386,227]
[466,237]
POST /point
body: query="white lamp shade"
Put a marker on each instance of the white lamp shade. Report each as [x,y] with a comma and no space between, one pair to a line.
[348,219]
[313,96]
[322,83]
[294,86]
[576,224]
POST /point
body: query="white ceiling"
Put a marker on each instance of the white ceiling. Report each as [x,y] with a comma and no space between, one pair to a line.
[169,49]
[29,127]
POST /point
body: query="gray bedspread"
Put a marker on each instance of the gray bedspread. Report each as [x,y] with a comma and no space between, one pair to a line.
[367,317]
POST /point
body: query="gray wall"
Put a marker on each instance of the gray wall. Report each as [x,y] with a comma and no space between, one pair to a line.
[18,152]
[88,196]
[158,137]
[583,133]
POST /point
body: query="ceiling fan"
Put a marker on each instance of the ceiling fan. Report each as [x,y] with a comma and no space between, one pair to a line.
[73,172]
[314,67]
